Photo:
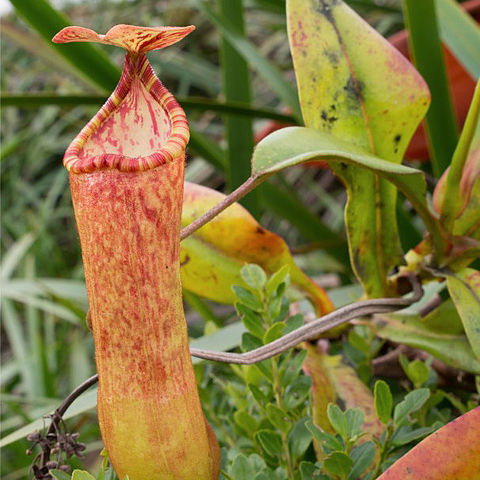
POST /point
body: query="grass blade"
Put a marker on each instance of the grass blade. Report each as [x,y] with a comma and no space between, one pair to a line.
[207,149]
[460,33]
[16,339]
[239,109]
[15,254]
[426,49]
[236,87]
[287,205]
[264,68]
[47,21]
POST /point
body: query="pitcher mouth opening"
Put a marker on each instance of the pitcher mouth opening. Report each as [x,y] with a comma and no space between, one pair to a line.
[140,127]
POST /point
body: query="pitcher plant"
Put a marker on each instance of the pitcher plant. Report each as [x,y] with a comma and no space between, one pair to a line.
[126,170]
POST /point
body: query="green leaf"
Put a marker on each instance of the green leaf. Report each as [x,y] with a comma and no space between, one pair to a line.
[337,420]
[279,277]
[202,104]
[294,322]
[464,288]
[278,151]
[252,321]
[274,332]
[354,85]
[247,298]
[297,392]
[82,475]
[295,145]
[241,468]
[254,276]
[245,421]
[249,342]
[362,458]
[359,342]
[258,394]
[91,61]
[416,371]
[330,441]
[426,49]
[461,34]
[278,417]
[15,253]
[405,435]
[236,87]
[355,419]
[444,319]
[59,475]
[266,475]
[452,349]
[286,203]
[249,52]
[455,197]
[292,367]
[299,439]
[383,401]
[412,402]
[270,441]
[309,471]
[338,463]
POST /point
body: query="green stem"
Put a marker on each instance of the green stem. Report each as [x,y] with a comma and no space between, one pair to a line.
[383,451]
[278,392]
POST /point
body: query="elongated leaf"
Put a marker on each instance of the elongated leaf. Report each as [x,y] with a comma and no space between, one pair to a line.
[236,87]
[212,257]
[444,319]
[45,305]
[82,475]
[426,50]
[451,453]
[15,253]
[249,52]
[354,85]
[452,349]
[461,33]
[464,288]
[16,338]
[286,204]
[464,170]
[294,145]
[336,382]
[41,51]
[73,290]
[207,149]
[188,103]
[92,62]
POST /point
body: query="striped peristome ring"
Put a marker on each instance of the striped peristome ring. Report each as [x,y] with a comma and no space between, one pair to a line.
[135,65]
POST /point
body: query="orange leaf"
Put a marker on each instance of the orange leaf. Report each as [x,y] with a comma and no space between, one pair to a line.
[451,453]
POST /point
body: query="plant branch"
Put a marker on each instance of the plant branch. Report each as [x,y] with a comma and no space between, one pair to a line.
[315,328]
[56,439]
[236,195]
[302,334]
